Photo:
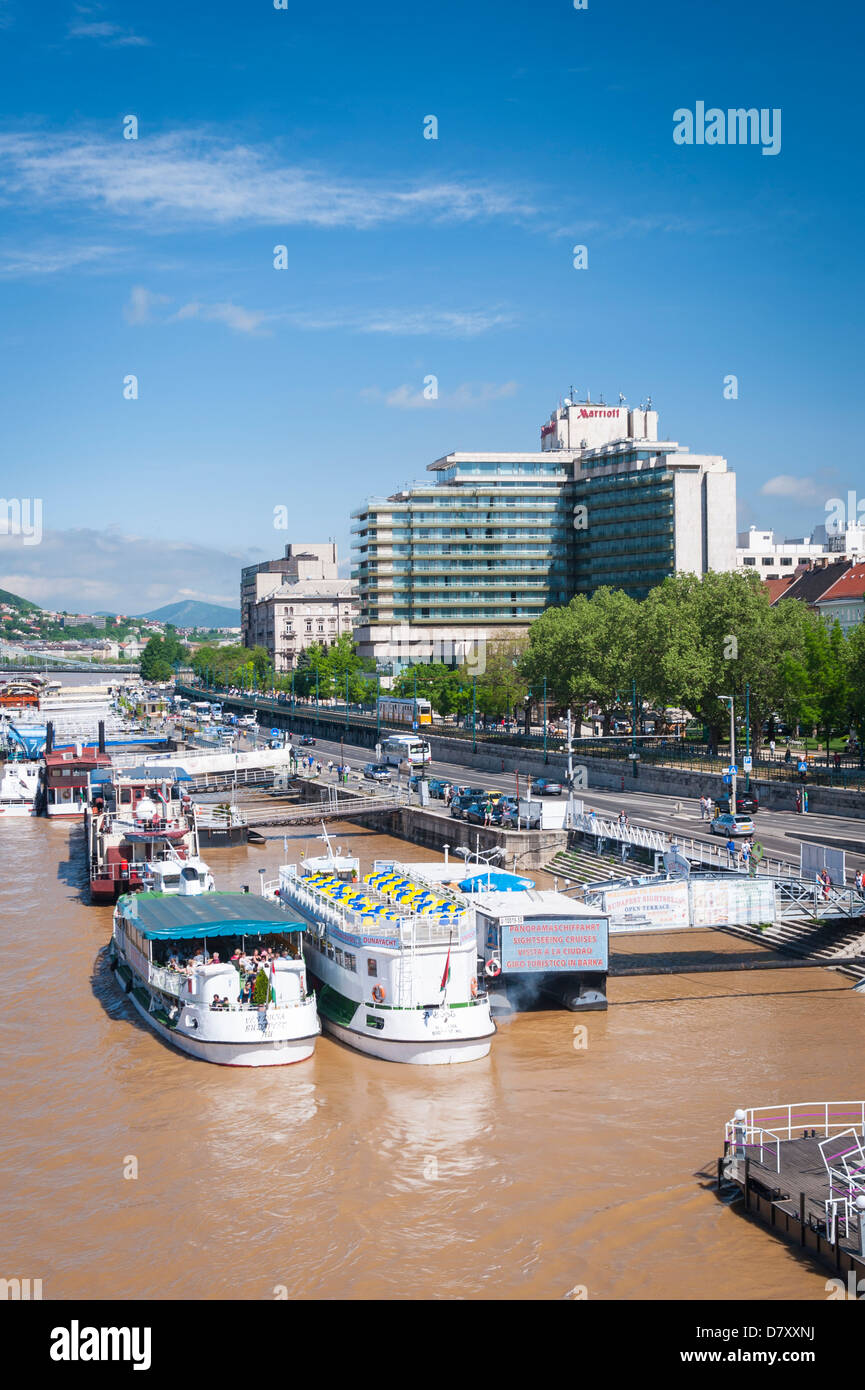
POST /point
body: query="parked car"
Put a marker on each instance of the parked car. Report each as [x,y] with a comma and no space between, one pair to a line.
[475,813]
[545,786]
[247,721]
[307,741]
[728,825]
[473,792]
[745,801]
[459,805]
[377,772]
[504,815]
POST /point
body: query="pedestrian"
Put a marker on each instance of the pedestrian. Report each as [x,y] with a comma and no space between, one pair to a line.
[746,854]
[772,749]
[330,767]
[798,802]
[318,769]
[787,755]
[804,801]
[837,760]
[702,808]
[731,850]
[827,885]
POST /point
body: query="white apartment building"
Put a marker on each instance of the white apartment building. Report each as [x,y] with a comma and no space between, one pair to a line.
[774,558]
[292,603]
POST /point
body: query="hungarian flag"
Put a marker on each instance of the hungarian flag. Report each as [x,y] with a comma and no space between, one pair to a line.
[447,970]
[272,984]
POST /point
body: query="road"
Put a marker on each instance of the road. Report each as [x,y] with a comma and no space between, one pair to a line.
[780,832]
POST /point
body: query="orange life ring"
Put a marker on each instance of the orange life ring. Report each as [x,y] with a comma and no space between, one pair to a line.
[378,994]
[474,987]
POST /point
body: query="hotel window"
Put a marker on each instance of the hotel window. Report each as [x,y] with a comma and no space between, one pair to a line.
[786,559]
[767,561]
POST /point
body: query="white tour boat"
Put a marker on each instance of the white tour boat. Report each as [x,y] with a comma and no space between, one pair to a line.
[176,875]
[395,962]
[19,788]
[197,998]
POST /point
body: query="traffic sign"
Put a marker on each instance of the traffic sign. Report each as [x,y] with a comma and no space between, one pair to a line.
[747,762]
[728,771]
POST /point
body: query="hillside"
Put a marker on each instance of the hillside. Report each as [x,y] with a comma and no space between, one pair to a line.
[191,613]
[15,601]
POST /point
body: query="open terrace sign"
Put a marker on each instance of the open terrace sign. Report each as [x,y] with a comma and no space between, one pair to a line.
[536,946]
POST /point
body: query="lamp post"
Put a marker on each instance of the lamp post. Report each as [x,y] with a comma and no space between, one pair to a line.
[346,704]
[378,709]
[634,726]
[545,720]
[747,735]
[731,700]
[316,687]
[474,714]
[292,690]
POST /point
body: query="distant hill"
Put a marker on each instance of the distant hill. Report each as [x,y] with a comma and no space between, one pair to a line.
[22,604]
[191,613]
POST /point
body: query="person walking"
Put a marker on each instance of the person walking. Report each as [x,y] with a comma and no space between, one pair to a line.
[732,852]
[798,802]
[804,801]
[746,855]
[772,749]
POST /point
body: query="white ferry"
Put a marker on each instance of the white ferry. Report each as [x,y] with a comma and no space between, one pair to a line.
[395,963]
[200,999]
[19,788]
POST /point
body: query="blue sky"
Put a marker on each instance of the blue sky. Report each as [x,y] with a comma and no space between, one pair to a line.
[407,257]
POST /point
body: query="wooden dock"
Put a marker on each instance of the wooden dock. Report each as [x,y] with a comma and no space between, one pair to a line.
[784,1179]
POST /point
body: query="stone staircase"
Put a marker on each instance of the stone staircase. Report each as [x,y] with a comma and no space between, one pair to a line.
[841,936]
[584,866]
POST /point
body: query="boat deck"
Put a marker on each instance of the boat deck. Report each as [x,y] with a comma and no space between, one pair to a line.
[802,1174]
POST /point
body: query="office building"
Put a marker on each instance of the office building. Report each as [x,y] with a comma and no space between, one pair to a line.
[291,603]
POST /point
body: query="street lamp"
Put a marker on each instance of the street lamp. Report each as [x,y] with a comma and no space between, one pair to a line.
[731,699]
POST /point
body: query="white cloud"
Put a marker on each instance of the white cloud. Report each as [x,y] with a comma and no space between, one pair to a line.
[86,569]
[200,178]
[112,34]
[232,315]
[464,397]
[408,322]
[50,257]
[141,304]
[785,485]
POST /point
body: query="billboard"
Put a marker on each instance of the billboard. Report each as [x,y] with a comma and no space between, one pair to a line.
[648,907]
[541,944]
[814,858]
[738,902]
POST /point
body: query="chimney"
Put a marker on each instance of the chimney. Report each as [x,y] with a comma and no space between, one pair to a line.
[49,737]
[102,735]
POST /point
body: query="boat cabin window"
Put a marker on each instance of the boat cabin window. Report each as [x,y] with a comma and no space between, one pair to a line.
[371,966]
[350,962]
[170,880]
[338,956]
[188,873]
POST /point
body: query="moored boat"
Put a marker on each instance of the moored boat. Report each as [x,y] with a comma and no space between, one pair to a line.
[20,782]
[201,1000]
[396,963]
[138,817]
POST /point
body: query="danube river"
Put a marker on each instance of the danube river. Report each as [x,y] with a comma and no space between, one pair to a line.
[541,1170]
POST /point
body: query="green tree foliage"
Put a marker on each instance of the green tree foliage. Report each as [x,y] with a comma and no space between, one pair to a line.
[160,656]
[247,667]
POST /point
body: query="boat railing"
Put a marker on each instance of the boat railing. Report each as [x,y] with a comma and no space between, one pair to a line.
[176,982]
[797,1120]
[416,928]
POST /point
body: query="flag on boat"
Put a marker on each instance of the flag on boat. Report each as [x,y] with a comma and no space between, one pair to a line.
[272,984]
[447,970]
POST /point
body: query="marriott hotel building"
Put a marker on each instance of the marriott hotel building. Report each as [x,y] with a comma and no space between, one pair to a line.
[478,552]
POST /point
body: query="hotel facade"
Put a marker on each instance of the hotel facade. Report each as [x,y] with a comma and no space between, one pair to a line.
[479,551]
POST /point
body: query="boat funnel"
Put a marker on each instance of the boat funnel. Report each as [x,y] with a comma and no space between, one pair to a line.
[102,735]
[49,737]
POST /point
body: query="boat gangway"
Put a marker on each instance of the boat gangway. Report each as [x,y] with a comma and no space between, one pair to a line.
[336,805]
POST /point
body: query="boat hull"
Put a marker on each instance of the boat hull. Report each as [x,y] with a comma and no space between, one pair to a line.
[276,1052]
[416,1052]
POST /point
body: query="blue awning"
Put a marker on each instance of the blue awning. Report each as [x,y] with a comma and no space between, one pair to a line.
[176,917]
[497,881]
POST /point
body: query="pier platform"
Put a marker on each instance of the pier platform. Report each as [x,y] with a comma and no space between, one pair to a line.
[800,1169]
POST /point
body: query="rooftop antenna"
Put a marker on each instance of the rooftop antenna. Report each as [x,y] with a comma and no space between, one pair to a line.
[588,398]
[602,401]
[622,398]
[648,402]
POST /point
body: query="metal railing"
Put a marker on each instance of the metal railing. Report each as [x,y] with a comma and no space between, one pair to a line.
[787,1122]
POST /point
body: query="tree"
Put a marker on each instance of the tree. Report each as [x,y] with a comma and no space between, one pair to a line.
[159,657]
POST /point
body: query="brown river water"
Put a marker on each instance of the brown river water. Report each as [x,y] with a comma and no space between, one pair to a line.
[542,1169]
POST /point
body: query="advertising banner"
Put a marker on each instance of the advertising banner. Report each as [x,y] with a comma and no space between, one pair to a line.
[536,946]
[739,902]
[648,907]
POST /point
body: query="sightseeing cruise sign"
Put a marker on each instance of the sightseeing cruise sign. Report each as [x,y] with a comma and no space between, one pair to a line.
[537,945]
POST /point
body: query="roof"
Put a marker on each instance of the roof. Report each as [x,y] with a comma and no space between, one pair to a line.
[776,587]
[477,881]
[535,903]
[157,772]
[850,585]
[178,917]
[812,584]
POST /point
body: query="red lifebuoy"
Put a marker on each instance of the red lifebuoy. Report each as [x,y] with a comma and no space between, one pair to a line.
[378,994]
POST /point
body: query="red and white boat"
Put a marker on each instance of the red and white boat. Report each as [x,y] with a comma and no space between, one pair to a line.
[137,817]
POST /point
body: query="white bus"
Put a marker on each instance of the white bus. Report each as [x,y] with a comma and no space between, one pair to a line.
[405,748]
[399,711]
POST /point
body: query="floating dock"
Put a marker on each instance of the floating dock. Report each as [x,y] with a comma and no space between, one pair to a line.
[800,1169]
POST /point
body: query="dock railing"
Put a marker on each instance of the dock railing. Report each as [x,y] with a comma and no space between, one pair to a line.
[784,1122]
